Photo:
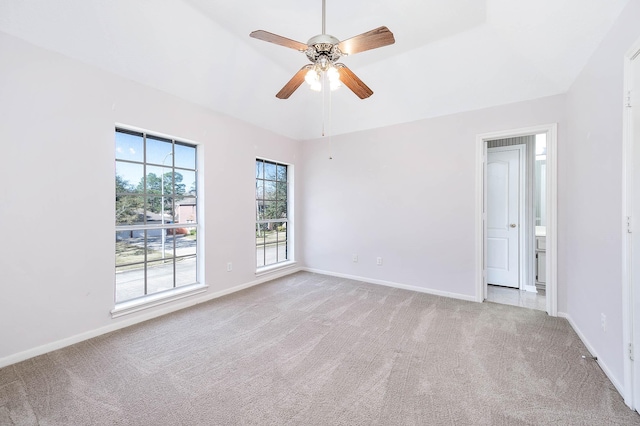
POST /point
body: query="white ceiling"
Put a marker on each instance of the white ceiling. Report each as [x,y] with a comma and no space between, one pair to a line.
[449,56]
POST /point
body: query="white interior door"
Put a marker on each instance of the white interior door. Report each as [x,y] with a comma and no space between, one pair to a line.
[503,216]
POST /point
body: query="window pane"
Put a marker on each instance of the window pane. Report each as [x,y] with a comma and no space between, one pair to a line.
[269,190]
[129,209]
[129,247]
[259,169]
[259,189]
[186,210]
[281,227]
[270,171]
[270,253]
[129,177]
[259,210]
[270,234]
[159,180]
[260,256]
[168,244]
[154,244]
[186,241]
[269,210]
[185,156]
[159,151]
[281,191]
[261,228]
[282,173]
[157,209]
[169,209]
[129,283]
[186,271]
[185,182]
[282,252]
[281,210]
[159,276]
[129,147]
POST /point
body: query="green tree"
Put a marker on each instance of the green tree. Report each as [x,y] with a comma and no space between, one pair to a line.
[128,203]
[162,186]
[276,209]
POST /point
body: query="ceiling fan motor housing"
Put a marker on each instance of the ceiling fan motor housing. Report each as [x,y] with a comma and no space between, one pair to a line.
[323,46]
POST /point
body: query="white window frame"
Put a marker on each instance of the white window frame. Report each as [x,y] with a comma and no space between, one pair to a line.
[176,293]
[289,219]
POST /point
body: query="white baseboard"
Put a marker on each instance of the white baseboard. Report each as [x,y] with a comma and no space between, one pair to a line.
[140,317]
[394,285]
[593,352]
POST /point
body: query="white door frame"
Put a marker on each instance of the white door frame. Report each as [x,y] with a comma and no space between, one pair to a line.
[522,188]
[630,319]
[552,217]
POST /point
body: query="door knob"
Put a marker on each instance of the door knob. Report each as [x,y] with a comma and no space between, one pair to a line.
[513,225]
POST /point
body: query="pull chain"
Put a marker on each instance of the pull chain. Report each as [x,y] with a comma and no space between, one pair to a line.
[323,104]
[327,124]
[330,127]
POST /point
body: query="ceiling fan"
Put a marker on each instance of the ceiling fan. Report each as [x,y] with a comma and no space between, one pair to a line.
[324,51]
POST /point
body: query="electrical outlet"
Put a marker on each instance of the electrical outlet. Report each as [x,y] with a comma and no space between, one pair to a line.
[603,322]
[229,267]
[379,261]
[354,258]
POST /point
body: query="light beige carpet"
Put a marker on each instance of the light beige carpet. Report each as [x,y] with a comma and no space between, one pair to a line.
[315,350]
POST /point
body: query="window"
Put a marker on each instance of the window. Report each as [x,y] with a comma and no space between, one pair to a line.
[271,213]
[155,213]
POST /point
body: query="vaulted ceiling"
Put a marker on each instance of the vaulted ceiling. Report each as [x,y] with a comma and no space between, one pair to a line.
[449,56]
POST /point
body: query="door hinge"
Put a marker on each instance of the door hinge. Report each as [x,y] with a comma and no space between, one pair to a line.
[631,351]
[629,224]
[627,99]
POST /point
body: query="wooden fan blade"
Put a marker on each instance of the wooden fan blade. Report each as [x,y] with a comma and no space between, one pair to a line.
[293,84]
[352,81]
[276,39]
[370,40]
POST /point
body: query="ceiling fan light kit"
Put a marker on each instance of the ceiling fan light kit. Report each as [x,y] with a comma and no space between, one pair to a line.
[323,51]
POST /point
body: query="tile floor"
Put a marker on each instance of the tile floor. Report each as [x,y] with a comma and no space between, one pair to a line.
[515,297]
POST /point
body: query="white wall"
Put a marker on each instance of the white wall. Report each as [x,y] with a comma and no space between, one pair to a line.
[57,119]
[590,194]
[405,193]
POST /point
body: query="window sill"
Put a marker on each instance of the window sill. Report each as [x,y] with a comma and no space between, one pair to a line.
[264,270]
[146,302]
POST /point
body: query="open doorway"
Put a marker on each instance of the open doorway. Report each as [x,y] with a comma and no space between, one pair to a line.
[516,221]
[516,214]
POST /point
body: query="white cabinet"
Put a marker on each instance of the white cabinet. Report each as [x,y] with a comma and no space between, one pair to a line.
[541,263]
